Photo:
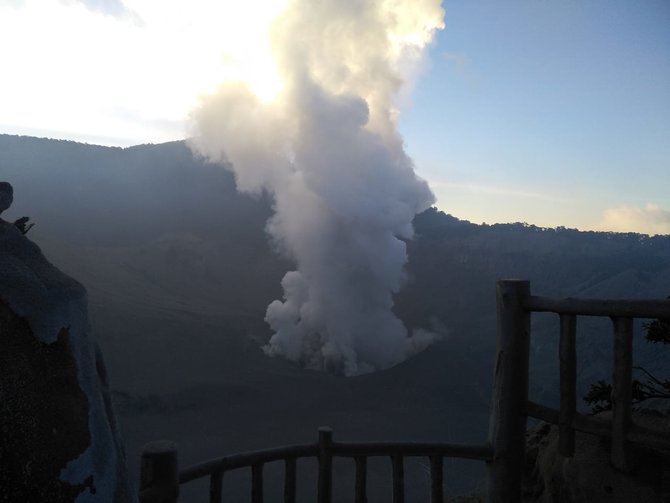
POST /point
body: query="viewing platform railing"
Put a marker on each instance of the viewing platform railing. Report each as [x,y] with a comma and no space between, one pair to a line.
[504,452]
[163,455]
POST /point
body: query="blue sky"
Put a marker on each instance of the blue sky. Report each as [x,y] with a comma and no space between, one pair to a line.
[550,112]
[554,113]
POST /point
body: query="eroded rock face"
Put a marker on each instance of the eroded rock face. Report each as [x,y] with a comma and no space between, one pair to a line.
[58,435]
[588,477]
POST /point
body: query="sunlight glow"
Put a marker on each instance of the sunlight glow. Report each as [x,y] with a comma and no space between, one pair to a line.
[71,65]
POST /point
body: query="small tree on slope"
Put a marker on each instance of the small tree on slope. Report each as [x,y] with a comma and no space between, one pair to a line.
[649,386]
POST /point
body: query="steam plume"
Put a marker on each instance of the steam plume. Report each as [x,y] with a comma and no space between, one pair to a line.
[345,192]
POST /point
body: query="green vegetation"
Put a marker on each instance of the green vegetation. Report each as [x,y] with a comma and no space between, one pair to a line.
[650,386]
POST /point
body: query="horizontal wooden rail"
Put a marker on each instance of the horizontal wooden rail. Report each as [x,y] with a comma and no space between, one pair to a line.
[412,449]
[338,449]
[597,307]
[602,427]
[246,459]
[580,422]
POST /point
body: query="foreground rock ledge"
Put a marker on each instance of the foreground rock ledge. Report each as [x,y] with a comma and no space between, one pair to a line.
[58,435]
[588,477]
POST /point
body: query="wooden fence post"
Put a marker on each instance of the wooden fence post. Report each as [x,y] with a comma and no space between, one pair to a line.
[159,473]
[567,354]
[361,484]
[398,469]
[622,393]
[507,420]
[325,485]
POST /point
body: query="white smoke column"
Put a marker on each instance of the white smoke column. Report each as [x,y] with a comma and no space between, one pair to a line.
[345,193]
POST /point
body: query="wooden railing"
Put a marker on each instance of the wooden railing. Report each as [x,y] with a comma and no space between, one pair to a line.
[504,452]
[510,394]
[160,479]
[620,428]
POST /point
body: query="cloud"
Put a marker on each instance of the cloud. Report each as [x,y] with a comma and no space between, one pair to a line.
[14,4]
[114,8]
[651,219]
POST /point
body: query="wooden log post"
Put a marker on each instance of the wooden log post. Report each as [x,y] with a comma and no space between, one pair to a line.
[325,483]
[507,421]
[622,378]
[436,479]
[290,476]
[568,389]
[398,469]
[257,483]
[159,473]
[216,487]
[361,485]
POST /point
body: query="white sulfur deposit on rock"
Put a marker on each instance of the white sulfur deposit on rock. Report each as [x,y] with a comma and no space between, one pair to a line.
[59,437]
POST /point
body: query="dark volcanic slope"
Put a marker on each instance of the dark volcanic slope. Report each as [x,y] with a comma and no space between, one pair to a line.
[179,273]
